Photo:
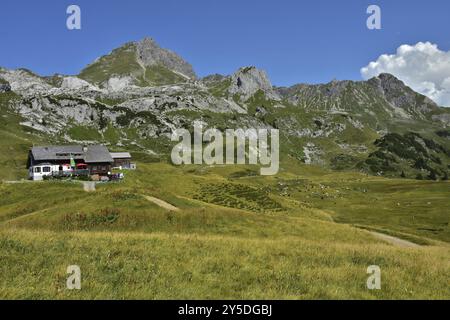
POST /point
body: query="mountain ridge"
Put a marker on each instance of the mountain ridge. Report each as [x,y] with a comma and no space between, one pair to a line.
[132,101]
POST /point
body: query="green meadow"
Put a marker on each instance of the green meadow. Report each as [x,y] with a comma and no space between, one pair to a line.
[302,234]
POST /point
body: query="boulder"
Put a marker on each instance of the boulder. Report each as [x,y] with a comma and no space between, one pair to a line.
[5,87]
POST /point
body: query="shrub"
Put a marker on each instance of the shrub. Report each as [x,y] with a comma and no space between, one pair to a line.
[81,220]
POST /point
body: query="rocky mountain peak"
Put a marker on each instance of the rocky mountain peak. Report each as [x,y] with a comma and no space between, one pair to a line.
[150,54]
[248,80]
[139,93]
[399,94]
[390,82]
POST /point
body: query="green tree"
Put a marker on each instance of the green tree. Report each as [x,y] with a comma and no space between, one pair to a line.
[432,175]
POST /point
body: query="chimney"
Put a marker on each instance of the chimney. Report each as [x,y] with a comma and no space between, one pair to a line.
[85,148]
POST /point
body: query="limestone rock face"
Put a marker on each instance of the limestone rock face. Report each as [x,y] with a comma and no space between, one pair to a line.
[24,81]
[74,83]
[118,84]
[140,92]
[150,53]
[248,80]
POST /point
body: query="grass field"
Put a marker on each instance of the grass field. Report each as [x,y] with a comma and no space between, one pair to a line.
[297,235]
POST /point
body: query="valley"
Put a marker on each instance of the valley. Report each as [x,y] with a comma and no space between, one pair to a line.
[246,237]
[363,166]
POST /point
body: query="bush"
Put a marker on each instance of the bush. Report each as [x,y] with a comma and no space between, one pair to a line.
[84,178]
[343,161]
[81,220]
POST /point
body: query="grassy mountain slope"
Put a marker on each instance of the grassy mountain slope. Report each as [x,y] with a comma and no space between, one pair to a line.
[234,229]
[139,266]
[124,62]
[121,62]
[15,140]
[343,125]
[210,250]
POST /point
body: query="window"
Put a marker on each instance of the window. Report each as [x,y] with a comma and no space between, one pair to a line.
[94,168]
[46,169]
[37,170]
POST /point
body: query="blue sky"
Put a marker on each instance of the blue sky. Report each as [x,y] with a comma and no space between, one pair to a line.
[294,41]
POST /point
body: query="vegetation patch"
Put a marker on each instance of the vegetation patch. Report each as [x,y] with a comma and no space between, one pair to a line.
[238,196]
[83,221]
[84,133]
[409,155]
[343,162]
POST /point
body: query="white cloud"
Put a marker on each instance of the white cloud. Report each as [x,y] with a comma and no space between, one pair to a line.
[423,67]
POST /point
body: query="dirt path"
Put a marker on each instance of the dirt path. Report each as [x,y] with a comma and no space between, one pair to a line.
[395,241]
[161,203]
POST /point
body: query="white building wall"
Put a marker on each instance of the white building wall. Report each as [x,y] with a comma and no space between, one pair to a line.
[33,175]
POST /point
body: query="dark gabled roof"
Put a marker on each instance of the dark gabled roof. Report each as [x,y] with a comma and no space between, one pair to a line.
[57,152]
[98,153]
[94,153]
[120,155]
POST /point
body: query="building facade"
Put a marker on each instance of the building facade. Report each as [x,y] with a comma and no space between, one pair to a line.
[122,160]
[69,160]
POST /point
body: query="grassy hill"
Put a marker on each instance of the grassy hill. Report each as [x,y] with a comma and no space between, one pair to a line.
[123,62]
[247,237]
[299,235]
[15,140]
